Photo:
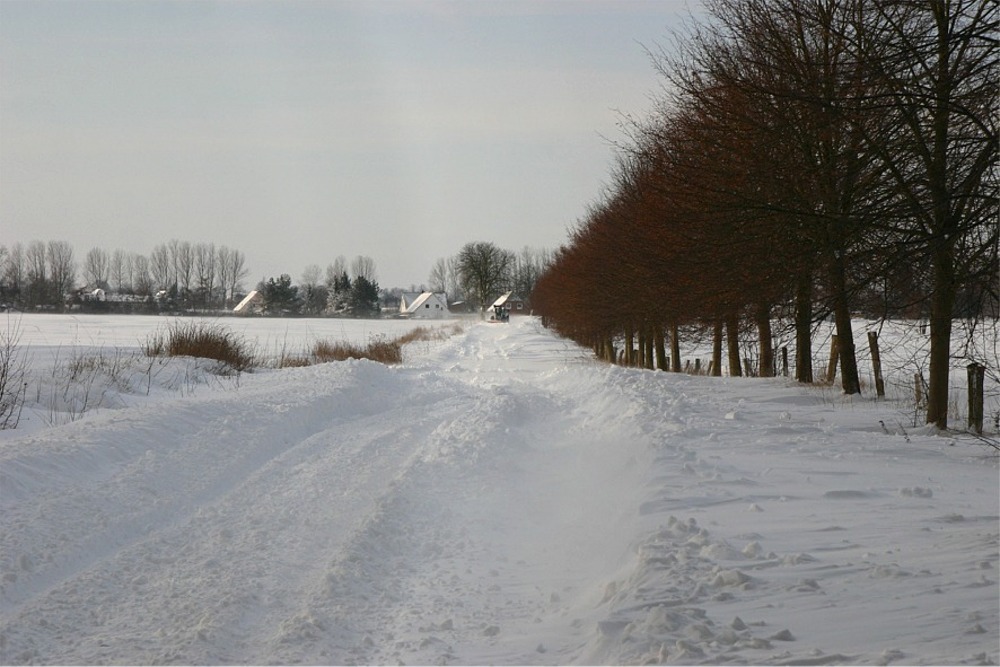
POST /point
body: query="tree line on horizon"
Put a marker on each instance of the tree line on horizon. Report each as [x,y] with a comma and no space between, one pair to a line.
[183,276]
[40,275]
[806,159]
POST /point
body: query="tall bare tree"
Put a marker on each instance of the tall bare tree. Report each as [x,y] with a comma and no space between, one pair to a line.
[437,281]
[232,271]
[97,267]
[14,272]
[161,267]
[62,269]
[205,268]
[486,271]
[363,266]
[140,280]
[119,270]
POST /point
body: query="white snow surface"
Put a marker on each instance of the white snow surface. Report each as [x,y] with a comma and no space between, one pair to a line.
[500,498]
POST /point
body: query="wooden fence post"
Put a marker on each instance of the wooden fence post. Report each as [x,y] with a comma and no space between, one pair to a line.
[977,376]
[876,364]
[831,370]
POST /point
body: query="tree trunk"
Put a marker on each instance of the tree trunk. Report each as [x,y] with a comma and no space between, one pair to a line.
[661,350]
[629,347]
[717,349]
[766,348]
[803,329]
[650,361]
[850,381]
[942,305]
[733,339]
[675,349]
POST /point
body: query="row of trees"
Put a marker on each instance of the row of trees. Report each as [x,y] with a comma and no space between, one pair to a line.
[810,158]
[199,275]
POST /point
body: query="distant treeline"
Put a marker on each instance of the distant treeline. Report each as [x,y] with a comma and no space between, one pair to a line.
[179,276]
[805,160]
[175,275]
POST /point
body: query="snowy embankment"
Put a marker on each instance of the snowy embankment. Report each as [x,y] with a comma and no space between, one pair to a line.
[500,498]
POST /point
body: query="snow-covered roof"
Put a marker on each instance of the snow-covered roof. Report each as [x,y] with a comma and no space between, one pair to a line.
[509,296]
[249,299]
[406,299]
[424,297]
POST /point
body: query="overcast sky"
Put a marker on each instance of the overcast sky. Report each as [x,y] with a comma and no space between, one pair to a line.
[299,131]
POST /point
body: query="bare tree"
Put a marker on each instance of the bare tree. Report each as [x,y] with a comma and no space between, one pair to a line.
[182,255]
[161,267]
[232,271]
[937,73]
[454,284]
[205,267]
[62,269]
[364,267]
[97,267]
[486,271]
[335,271]
[36,264]
[310,276]
[438,278]
[312,290]
[119,270]
[529,265]
[140,279]
[14,272]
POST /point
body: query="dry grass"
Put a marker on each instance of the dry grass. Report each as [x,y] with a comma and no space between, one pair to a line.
[202,340]
[214,341]
[378,349]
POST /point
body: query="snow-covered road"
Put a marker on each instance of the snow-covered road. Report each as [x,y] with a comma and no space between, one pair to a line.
[498,499]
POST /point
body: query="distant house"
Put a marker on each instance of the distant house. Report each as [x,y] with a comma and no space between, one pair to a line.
[428,305]
[406,300]
[513,304]
[251,304]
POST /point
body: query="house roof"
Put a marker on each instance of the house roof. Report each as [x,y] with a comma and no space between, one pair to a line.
[407,298]
[422,299]
[250,298]
[509,296]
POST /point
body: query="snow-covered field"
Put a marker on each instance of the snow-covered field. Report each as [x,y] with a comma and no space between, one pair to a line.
[498,498]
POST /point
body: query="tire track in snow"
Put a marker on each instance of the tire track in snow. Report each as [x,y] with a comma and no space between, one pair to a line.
[151,539]
[439,512]
[486,543]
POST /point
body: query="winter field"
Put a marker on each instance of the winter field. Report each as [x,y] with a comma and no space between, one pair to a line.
[498,498]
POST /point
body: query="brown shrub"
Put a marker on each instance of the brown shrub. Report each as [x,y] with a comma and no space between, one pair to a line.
[203,340]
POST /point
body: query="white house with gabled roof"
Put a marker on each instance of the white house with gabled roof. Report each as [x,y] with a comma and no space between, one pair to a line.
[428,305]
